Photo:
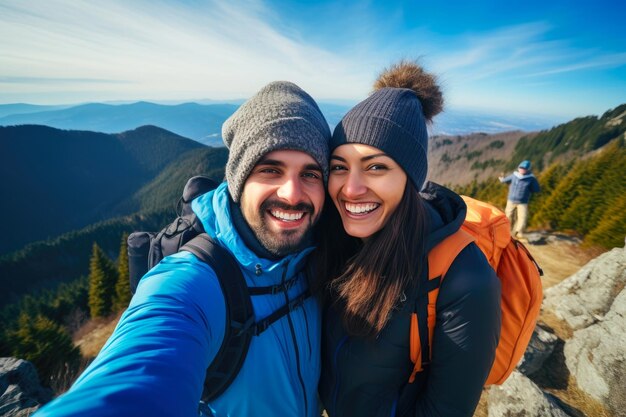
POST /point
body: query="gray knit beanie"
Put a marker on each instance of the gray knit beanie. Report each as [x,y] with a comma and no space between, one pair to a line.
[281,116]
[393,118]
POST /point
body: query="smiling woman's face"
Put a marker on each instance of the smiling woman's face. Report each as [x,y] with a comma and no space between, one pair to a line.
[366,186]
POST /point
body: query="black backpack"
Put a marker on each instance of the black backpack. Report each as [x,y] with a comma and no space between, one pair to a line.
[146,249]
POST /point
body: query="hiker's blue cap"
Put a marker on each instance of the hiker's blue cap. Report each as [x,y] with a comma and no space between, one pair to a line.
[524,164]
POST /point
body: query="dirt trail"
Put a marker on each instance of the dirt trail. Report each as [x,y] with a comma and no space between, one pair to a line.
[560,257]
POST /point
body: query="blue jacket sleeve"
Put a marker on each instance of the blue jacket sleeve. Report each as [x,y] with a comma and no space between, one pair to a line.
[155,361]
[466,336]
[507,179]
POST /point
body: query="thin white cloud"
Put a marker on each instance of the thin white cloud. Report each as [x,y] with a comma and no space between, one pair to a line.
[597,62]
[212,49]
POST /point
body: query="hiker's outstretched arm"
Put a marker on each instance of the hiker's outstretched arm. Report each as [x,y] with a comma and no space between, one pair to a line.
[465,339]
[155,361]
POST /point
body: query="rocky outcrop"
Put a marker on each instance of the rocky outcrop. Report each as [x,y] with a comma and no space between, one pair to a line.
[539,349]
[585,297]
[20,391]
[520,397]
[596,356]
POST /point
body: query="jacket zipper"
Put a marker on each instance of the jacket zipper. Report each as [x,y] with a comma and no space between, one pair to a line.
[295,344]
[336,389]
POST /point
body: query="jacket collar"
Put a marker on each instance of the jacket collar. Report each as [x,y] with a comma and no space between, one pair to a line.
[521,177]
[446,211]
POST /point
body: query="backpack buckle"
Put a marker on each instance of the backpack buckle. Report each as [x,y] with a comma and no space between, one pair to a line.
[243,327]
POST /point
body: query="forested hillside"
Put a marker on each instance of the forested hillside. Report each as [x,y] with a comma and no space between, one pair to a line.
[460,160]
[571,140]
[54,181]
[583,190]
[46,263]
[165,189]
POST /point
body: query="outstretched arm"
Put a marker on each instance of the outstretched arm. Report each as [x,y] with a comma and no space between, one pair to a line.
[155,361]
[506,179]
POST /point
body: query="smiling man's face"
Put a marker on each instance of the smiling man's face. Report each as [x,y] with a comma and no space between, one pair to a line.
[282,199]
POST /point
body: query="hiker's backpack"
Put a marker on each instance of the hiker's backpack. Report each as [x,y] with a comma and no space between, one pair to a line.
[146,249]
[520,282]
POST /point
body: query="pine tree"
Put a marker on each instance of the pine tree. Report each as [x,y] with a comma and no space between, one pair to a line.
[611,229]
[548,182]
[576,215]
[102,279]
[611,186]
[564,194]
[45,344]
[122,287]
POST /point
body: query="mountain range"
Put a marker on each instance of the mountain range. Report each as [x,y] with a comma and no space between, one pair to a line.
[55,180]
[203,122]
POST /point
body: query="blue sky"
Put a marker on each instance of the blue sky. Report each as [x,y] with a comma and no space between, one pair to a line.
[559,58]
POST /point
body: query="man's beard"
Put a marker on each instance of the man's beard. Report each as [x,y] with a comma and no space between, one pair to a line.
[287,241]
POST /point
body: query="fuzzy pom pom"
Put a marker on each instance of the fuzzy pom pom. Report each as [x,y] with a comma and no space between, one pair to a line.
[408,74]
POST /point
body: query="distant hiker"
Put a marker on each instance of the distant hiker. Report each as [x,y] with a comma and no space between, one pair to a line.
[523,183]
[155,362]
[377,266]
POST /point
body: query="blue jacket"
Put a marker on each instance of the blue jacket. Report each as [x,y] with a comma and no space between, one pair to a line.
[155,361]
[521,187]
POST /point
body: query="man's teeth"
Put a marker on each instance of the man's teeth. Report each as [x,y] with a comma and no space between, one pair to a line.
[287,216]
[361,208]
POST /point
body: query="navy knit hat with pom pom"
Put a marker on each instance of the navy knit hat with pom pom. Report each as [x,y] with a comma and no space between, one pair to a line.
[393,119]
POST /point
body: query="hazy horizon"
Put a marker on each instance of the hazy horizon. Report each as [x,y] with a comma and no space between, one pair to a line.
[563,59]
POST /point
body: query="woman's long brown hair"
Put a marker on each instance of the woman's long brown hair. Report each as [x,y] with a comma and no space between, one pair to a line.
[367,279]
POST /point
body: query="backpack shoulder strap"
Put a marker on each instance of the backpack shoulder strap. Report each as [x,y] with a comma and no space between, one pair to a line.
[440,259]
[239,314]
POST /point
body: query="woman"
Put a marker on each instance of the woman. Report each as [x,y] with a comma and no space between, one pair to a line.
[377,270]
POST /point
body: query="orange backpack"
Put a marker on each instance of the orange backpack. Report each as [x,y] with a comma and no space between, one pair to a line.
[520,282]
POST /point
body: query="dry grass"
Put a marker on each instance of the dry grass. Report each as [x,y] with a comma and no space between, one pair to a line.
[481,409]
[579,400]
[560,328]
[93,335]
[65,377]
[560,260]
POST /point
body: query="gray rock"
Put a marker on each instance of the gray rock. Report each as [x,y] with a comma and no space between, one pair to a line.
[535,238]
[520,397]
[585,297]
[20,391]
[539,349]
[558,237]
[596,356]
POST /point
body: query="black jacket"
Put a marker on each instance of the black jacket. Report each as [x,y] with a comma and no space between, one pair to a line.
[370,377]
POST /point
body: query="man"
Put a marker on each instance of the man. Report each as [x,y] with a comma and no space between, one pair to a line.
[154,364]
[523,183]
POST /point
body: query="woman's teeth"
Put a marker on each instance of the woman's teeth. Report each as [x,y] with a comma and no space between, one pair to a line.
[361,208]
